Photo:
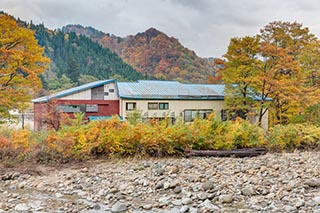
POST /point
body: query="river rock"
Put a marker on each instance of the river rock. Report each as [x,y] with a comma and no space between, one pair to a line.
[158,171]
[184,209]
[119,207]
[227,198]
[313,183]
[207,185]
[186,201]
[317,200]
[248,191]
[199,185]
[22,207]
[209,206]
[177,189]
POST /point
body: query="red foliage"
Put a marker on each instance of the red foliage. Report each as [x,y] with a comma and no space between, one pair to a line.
[154,53]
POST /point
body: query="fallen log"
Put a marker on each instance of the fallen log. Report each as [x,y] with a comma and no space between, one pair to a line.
[240,153]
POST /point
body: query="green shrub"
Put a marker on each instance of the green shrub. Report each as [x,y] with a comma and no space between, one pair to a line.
[293,136]
[215,134]
[78,141]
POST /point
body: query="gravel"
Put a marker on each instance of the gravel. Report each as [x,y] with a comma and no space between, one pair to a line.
[286,182]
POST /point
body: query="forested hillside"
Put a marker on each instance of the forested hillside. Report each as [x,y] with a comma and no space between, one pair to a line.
[77,60]
[153,53]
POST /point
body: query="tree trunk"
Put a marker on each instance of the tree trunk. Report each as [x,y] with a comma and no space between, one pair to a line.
[250,152]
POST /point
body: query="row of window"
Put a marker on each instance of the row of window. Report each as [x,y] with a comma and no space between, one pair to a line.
[190,115]
[156,106]
[151,106]
[78,108]
[110,91]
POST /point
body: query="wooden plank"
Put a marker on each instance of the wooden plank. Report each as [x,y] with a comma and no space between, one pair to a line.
[250,152]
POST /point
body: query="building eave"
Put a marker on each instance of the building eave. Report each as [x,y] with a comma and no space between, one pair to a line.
[72,91]
[217,98]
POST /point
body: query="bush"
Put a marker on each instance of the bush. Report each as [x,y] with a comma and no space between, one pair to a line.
[294,136]
[77,141]
[216,134]
[16,144]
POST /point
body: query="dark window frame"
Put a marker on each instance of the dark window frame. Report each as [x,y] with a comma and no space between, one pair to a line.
[166,104]
[92,108]
[69,108]
[97,93]
[156,104]
[134,106]
[224,115]
[194,113]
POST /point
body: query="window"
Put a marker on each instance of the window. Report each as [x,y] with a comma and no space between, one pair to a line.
[130,106]
[97,93]
[158,106]
[111,90]
[190,115]
[106,93]
[153,106]
[92,108]
[163,106]
[203,114]
[69,108]
[224,116]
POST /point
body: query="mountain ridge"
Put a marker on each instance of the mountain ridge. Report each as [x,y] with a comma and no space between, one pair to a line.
[152,53]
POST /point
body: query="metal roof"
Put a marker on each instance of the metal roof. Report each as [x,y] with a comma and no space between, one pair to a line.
[152,90]
[73,90]
[169,90]
[146,89]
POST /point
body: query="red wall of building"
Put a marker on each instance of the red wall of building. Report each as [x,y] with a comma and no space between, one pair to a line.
[39,109]
[105,108]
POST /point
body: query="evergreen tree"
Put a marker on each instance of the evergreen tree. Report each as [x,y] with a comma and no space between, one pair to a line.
[73,71]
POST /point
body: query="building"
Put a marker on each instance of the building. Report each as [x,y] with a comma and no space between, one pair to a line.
[153,99]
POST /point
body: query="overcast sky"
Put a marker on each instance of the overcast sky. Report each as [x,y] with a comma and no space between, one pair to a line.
[204,26]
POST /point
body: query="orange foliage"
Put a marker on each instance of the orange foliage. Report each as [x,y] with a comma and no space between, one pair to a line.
[155,54]
[220,66]
[21,63]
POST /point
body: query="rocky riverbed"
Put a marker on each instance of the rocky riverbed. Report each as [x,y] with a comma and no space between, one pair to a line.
[286,182]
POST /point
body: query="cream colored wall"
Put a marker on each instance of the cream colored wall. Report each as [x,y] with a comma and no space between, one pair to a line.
[83,95]
[111,96]
[175,106]
[178,106]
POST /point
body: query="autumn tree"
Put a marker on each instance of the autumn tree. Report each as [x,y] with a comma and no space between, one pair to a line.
[219,66]
[21,63]
[269,67]
[284,77]
[240,75]
[51,117]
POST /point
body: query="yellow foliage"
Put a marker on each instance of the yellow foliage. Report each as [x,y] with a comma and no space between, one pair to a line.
[293,136]
[22,60]
[115,138]
[21,139]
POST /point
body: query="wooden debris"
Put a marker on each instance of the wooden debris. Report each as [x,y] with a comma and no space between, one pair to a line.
[240,153]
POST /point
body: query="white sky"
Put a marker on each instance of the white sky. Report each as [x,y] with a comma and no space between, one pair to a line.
[205,26]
